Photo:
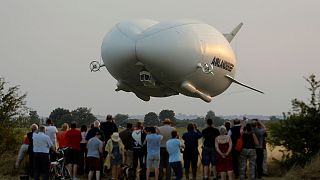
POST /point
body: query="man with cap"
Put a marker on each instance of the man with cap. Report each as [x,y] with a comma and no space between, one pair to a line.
[108,127]
[165,131]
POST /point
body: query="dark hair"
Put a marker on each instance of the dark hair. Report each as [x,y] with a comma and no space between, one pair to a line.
[152,130]
[129,125]
[83,128]
[139,125]
[190,127]
[174,133]
[209,122]
[49,121]
[236,121]
[73,124]
[109,117]
[248,127]
[227,124]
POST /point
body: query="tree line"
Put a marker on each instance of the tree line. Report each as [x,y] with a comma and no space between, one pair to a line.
[298,131]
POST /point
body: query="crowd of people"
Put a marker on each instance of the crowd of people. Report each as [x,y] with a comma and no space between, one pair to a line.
[139,152]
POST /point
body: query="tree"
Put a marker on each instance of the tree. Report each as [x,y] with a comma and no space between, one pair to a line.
[151,119]
[83,116]
[12,104]
[121,119]
[299,131]
[34,117]
[217,121]
[60,116]
[167,114]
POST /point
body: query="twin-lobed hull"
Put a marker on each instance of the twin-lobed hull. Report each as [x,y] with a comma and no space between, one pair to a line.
[162,59]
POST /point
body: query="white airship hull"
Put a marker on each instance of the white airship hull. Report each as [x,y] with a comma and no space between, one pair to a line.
[160,59]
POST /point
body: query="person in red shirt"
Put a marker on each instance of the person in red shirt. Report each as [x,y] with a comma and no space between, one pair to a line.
[61,136]
[73,137]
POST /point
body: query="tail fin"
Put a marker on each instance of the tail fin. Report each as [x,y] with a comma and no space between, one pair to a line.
[233,33]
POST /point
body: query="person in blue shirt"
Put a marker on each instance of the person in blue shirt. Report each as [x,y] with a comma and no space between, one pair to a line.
[153,149]
[173,148]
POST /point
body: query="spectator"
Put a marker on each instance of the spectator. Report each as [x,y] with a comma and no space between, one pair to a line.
[265,158]
[115,149]
[173,148]
[93,131]
[139,137]
[108,127]
[165,131]
[234,133]
[153,141]
[227,124]
[259,129]
[22,151]
[61,136]
[41,146]
[52,132]
[126,138]
[73,137]
[190,153]
[248,152]
[223,146]
[34,129]
[94,147]
[83,150]
[209,135]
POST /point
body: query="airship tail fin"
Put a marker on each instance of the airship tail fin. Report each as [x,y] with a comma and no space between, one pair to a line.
[242,84]
[233,33]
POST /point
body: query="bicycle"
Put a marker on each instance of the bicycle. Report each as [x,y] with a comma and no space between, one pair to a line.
[58,169]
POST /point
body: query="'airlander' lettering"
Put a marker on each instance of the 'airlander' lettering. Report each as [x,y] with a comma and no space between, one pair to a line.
[222,64]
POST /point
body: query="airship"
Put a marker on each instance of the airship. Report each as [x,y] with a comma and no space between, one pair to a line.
[161,59]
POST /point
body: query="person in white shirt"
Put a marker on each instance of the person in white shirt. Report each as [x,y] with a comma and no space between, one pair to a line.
[52,132]
[41,147]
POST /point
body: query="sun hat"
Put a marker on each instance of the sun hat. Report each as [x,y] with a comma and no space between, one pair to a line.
[115,137]
[166,121]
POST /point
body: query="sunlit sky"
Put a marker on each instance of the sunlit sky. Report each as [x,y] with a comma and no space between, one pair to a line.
[46,47]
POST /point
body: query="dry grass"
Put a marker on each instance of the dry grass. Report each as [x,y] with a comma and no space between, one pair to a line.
[309,172]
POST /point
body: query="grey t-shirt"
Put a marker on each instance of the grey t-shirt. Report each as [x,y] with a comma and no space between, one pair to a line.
[94,147]
[259,133]
[165,131]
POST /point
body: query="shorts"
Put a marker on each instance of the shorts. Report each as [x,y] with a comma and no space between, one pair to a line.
[93,163]
[208,156]
[73,156]
[153,161]
[22,152]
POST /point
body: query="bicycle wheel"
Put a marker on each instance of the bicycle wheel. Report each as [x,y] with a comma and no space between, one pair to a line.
[53,173]
[65,173]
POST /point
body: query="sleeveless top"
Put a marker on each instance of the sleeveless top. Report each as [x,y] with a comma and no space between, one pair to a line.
[248,142]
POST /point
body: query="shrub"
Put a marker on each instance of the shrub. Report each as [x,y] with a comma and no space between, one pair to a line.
[299,131]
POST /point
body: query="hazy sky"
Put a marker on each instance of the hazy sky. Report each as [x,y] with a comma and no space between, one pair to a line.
[46,47]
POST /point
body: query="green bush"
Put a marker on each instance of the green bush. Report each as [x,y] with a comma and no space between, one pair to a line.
[11,139]
[299,131]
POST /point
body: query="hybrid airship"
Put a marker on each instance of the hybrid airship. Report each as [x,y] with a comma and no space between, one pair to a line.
[161,59]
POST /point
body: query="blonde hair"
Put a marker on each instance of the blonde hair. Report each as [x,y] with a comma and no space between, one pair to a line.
[34,127]
[64,127]
[96,123]
[223,130]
